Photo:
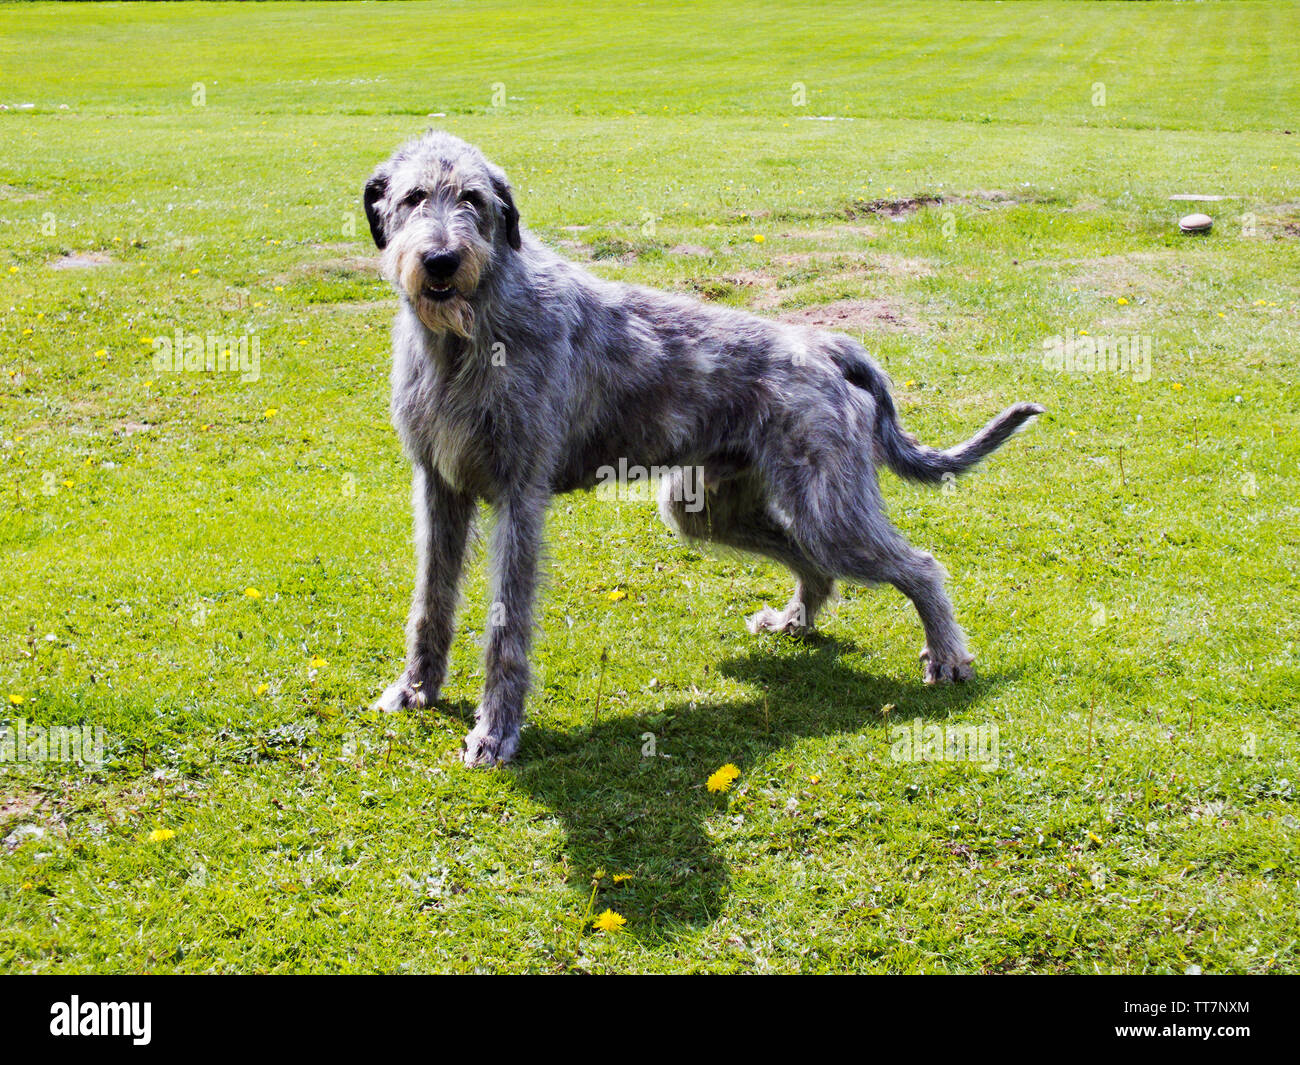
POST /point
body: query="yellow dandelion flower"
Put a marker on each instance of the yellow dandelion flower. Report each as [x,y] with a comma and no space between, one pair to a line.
[270,412]
[609,921]
[620,877]
[1122,301]
[17,700]
[616,595]
[317,662]
[252,593]
[262,689]
[759,238]
[161,835]
[1177,386]
[723,778]
[28,332]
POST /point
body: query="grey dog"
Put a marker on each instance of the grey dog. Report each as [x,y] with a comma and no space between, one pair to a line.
[517,374]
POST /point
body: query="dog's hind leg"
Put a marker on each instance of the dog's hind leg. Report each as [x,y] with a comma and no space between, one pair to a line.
[842,528]
[734,513]
[919,577]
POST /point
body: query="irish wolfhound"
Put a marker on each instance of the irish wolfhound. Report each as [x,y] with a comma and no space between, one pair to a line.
[517,375]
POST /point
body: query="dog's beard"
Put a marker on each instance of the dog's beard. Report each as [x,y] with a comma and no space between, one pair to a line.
[453,314]
[440,313]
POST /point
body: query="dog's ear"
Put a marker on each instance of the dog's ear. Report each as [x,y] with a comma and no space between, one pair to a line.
[376,189]
[508,209]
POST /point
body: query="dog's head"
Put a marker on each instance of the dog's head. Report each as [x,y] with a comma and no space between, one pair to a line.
[444,217]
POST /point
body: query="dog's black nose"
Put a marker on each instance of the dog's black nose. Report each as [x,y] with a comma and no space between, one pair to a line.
[441,264]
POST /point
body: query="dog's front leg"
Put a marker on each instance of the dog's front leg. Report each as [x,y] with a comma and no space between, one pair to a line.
[442,522]
[516,542]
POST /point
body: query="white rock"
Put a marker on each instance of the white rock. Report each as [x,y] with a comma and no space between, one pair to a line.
[1195,223]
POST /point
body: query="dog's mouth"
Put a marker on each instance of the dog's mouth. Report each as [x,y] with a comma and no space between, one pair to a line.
[439,290]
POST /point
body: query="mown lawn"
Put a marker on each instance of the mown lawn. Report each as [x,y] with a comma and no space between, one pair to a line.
[215,570]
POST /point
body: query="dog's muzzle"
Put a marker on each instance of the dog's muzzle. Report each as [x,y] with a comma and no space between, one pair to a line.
[440,274]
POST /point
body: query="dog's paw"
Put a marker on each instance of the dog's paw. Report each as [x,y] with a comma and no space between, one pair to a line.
[769,620]
[949,668]
[404,694]
[483,747]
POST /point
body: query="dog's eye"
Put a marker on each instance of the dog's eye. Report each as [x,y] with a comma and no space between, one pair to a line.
[473,199]
[413,198]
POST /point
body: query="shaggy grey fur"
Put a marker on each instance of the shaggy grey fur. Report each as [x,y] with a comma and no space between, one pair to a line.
[517,375]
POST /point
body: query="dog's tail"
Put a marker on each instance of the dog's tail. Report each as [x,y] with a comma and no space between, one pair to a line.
[901,451]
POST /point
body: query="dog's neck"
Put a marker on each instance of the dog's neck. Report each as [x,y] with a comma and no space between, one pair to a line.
[452,354]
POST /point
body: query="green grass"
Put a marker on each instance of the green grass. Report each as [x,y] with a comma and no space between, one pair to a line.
[1126,569]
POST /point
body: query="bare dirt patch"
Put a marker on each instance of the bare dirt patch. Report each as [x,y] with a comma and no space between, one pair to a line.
[343,265]
[853,316]
[576,249]
[900,208]
[695,250]
[832,233]
[1156,274]
[850,264]
[752,287]
[900,266]
[13,194]
[16,806]
[983,198]
[357,306]
[1279,221]
[81,260]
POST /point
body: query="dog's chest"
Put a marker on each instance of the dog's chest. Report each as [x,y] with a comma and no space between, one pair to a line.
[450,424]
[459,448]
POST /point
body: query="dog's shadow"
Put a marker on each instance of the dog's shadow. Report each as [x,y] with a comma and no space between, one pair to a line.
[631,790]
